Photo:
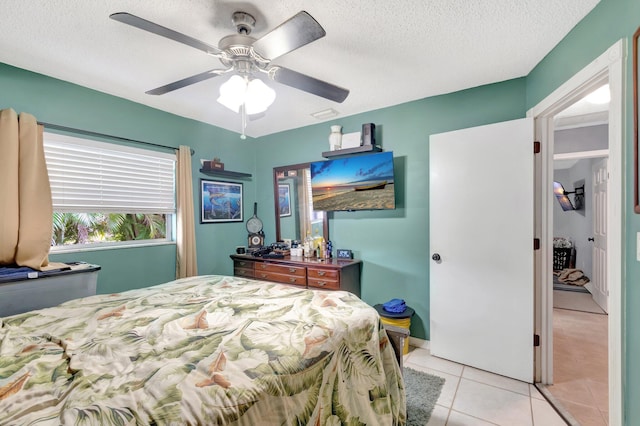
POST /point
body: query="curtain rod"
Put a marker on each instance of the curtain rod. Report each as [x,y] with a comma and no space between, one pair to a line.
[102,135]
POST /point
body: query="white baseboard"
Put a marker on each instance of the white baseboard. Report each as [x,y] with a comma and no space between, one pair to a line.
[419,343]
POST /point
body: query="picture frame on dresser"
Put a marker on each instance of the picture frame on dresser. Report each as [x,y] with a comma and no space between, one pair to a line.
[220,201]
[284,199]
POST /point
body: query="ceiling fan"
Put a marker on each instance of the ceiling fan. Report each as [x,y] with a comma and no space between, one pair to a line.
[246,56]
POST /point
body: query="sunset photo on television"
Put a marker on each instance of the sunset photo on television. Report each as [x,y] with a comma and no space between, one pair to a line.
[363,182]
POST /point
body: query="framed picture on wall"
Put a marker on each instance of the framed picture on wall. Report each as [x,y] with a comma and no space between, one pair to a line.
[284,199]
[220,201]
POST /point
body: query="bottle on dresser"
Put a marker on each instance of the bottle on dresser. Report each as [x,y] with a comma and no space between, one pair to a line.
[318,245]
[321,245]
[308,245]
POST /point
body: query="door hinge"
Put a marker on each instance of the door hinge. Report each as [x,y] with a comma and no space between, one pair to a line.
[536,243]
[536,340]
[536,147]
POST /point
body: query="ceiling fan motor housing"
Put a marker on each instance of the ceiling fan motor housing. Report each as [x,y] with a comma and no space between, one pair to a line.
[238,52]
[243,22]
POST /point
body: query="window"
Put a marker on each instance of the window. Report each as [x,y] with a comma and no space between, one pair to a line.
[107,194]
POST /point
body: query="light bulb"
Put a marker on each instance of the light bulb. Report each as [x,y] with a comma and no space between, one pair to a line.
[233,93]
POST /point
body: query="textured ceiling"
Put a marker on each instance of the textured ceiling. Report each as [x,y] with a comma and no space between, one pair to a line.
[386,52]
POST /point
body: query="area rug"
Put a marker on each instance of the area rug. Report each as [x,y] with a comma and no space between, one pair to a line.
[423,391]
[575,302]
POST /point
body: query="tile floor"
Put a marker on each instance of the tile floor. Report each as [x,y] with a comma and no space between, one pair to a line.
[580,365]
[475,397]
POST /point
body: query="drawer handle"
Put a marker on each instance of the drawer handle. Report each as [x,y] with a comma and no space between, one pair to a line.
[292,269]
[322,283]
[321,273]
[263,266]
[243,263]
[263,275]
[293,280]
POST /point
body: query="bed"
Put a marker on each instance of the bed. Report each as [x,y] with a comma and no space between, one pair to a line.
[209,350]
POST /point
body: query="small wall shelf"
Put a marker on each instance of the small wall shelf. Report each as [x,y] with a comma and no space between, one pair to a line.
[225,173]
[356,150]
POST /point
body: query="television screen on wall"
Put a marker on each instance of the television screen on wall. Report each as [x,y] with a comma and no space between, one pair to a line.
[362,182]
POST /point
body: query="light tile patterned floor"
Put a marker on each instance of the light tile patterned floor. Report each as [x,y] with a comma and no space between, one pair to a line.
[580,365]
[475,397]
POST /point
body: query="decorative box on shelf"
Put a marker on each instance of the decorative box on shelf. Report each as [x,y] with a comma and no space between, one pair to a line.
[213,165]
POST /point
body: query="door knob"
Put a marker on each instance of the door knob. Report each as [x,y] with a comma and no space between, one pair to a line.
[590,239]
[436,257]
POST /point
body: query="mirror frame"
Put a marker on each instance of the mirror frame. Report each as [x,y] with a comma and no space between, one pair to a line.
[276,197]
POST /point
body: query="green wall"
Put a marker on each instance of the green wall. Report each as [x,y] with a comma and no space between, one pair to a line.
[57,102]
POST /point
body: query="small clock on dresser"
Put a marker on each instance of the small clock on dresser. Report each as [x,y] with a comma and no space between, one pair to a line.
[344,254]
[256,240]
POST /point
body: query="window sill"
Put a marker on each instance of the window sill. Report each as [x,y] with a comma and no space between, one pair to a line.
[108,246]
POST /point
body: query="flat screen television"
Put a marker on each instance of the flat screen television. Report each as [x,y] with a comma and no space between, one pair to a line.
[361,182]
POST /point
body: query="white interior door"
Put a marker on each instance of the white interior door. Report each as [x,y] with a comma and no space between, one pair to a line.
[600,287]
[481,226]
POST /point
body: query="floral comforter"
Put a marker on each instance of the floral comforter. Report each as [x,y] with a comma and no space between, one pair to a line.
[210,350]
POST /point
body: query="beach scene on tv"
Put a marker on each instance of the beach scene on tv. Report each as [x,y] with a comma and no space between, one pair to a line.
[363,182]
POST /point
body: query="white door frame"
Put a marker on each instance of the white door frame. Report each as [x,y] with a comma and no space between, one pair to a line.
[607,67]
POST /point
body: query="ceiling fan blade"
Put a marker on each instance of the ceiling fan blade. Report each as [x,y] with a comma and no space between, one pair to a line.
[143,24]
[185,82]
[308,84]
[297,31]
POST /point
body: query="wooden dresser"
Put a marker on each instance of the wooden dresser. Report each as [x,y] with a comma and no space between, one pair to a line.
[329,274]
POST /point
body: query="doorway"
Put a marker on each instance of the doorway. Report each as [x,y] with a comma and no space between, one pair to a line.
[608,68]
[580,321]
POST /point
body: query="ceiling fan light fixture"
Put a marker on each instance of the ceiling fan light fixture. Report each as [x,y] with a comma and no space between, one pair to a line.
[259,97]
[253,94]
[232,93]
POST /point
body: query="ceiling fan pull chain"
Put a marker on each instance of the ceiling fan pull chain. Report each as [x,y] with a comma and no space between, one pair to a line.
[243,113]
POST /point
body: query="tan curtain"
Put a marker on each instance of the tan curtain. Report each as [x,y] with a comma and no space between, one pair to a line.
[186,261]
[26,212]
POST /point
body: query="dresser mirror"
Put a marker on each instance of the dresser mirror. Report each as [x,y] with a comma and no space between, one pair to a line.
[294,212]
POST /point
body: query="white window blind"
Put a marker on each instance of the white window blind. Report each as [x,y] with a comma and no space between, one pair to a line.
[94,177]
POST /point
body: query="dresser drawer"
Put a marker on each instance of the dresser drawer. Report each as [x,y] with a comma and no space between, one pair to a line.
[244,272]
[243,268]
[281,278]
[322,274]
[325,283]
[328,275]
[244,264]
[323,278]
[299,271]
